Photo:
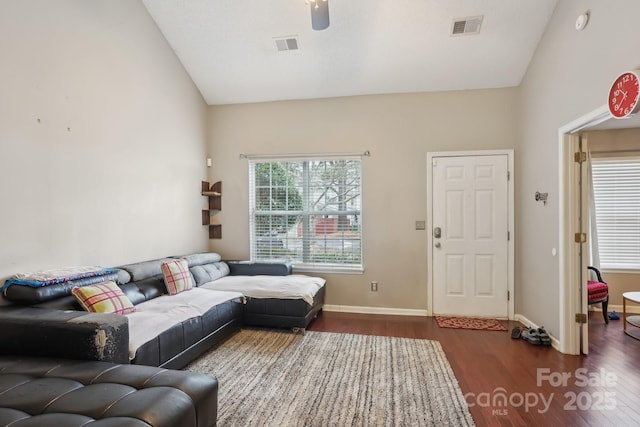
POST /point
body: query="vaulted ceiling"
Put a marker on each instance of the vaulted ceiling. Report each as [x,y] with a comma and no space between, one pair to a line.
[229,47]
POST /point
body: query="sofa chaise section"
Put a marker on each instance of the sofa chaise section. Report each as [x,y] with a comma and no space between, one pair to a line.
[277,309]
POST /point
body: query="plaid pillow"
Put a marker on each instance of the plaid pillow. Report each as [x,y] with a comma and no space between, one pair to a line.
[104,297]
[177,277]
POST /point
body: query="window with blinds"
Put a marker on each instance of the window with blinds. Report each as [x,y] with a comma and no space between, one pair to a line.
[307,212]
[616,187]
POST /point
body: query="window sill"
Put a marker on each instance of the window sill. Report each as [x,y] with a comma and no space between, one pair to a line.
[301,268]
[620,270]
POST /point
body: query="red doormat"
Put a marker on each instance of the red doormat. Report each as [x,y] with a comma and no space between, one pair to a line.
[470,323]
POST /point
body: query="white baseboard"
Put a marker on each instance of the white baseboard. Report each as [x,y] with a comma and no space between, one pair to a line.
[528,323]
[374,310]
[631,309]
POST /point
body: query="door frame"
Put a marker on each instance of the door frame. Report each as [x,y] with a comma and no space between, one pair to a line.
[511,216]
[570,269]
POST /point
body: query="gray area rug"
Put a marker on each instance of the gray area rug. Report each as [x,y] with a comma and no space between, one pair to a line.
[278,378]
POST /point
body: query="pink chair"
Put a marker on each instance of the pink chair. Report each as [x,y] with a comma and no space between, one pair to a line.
[598,292]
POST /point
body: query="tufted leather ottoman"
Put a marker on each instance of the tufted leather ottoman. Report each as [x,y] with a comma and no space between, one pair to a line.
[70,393]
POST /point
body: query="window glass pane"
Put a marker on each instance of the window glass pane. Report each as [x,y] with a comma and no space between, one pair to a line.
[307,212]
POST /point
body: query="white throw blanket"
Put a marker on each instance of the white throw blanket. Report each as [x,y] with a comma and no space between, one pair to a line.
[155,316]
[293,286]
[60,273]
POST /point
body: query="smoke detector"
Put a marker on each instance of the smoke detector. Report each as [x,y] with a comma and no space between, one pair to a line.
[582,21]
[466,26]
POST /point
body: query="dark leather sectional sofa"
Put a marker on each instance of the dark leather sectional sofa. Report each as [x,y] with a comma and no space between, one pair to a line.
[59,328]
[63,366]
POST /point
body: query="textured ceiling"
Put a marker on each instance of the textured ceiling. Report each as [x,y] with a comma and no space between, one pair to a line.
[370,47]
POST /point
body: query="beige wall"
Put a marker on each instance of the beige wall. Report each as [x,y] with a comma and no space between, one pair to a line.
[102,138]
[399,130]
[122,183]
[614,143]
[569,76]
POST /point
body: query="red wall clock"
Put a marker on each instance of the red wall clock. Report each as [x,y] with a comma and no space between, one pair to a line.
[623,95]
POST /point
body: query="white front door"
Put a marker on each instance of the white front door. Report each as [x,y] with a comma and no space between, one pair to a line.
[470,247]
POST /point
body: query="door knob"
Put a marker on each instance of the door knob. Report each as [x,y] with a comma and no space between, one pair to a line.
[437,232]
[437,245]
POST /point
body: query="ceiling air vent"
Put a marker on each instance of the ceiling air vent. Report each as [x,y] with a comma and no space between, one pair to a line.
[466,26]
[287,43]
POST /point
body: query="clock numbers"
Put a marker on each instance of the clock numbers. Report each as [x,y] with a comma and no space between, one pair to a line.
[624,95]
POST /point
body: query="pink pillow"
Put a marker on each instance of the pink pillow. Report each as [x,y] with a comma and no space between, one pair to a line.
[177,277]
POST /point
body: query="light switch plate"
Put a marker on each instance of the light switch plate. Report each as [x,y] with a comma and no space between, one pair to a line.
[420,225]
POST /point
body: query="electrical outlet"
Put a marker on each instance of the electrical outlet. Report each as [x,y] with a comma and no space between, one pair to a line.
[374,286]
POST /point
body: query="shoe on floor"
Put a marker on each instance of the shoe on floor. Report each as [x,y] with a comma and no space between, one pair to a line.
[614,316]
[545,339]
[515,332]
[531,336]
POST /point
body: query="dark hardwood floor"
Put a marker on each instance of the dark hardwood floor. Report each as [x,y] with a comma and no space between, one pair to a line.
[538,385]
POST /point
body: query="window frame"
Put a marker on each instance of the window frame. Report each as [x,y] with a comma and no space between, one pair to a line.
[307,213]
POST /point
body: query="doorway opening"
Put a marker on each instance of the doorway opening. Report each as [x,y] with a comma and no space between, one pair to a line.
[573,339]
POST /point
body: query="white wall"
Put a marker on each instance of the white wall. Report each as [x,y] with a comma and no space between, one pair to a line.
[102,138]
[399,130]
[569,76]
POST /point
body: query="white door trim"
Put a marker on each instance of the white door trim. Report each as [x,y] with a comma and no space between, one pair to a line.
[429,225]
[570,268]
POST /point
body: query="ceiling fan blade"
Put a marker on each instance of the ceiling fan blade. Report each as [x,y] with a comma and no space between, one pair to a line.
[319,14]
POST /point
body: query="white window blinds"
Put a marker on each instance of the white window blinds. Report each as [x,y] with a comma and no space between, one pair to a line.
[616,187]
[307,212]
